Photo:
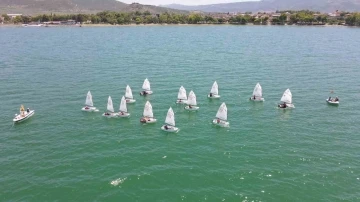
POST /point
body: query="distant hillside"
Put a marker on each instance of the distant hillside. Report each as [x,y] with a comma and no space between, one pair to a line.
[273,5]
[75,6]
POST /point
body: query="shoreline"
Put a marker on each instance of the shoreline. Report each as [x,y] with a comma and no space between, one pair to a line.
[151,25]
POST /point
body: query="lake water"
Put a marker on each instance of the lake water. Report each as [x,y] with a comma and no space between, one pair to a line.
[310,153]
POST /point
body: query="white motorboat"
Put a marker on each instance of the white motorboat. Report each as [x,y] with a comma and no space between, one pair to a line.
[182,97]
[333,101]
[214,92]
[170,122]
[32,25]
[192,102]
[23,114]
[110,113]
[146,88]
[221,116]
[287,100]
[148,116]
[257,93]
[123,108]
[129,96]
[89,105]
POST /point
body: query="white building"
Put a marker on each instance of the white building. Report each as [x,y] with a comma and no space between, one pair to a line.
[12,16]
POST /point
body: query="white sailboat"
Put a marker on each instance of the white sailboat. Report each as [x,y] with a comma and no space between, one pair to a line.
[128,95]
[23,114]
[170,122]
[146,88]
[221,116]
[214,92]
[148,116]
[123,109]
[192,102]
[257,93]
[89,105]
[110,109]
[287,100]
[182,97]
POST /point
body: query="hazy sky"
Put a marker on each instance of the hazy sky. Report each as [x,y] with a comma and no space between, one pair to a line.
[184,2]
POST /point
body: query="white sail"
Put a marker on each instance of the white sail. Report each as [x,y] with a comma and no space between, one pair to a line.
[146,85]
[128,92]
[89,101]
[110,106]
[192,98]
[148,111]
[222,112]
[257,91]
[170,117]
[287,97]
[123,107]
[182,94]
[214,89]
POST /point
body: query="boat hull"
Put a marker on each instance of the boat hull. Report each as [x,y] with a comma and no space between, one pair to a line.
[147,120]
[213,96]
[181,101]
[89,109]
[193,108]
[123,114]
[332,102]
[130,101]
[288,106]
[147,92]
[20,118]
[110,115]
[171,129]
[221,123]
[257,99]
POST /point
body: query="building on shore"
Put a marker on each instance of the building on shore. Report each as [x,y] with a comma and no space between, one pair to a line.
[12,16]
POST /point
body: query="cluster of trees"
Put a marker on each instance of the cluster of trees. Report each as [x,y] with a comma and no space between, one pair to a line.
[109,17]
[353,19]
[307,17]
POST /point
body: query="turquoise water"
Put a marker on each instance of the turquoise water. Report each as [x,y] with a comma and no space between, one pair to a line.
[310,153]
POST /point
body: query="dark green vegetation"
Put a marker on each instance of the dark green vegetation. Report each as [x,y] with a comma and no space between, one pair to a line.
[353,19]
[279,18]
[31,7]
[272,5]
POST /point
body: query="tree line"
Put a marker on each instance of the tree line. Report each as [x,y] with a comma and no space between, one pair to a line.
[109,17]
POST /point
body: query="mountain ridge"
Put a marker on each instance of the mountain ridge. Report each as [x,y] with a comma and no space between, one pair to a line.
[273,5]
[76,6]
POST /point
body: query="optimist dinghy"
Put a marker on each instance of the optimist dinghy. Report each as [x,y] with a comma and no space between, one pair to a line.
[287,100]
[148,116]
[182,97]
[221,116]
[170,122]
[214,92]
[257,93]
[146,88]
[128,95]
[110,113]
[89,105]
[192,102]
[123,109]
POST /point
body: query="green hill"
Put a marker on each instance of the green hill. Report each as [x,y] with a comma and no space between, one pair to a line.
[75,6]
